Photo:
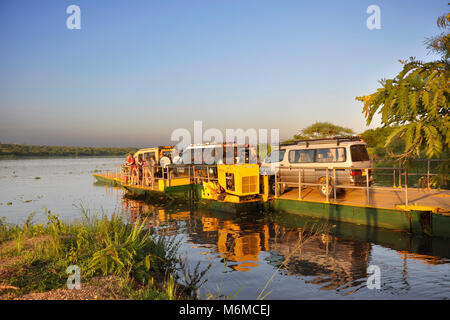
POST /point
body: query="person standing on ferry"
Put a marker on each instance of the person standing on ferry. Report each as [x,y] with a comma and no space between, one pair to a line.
[140,164]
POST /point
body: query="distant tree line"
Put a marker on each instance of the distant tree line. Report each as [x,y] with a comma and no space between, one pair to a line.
[61,151]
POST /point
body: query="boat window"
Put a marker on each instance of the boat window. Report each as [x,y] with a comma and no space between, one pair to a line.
[359,153]
[148,155]
[301,156]
[275,156]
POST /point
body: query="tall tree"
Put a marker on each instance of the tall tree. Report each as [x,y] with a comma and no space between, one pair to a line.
[320,130]
[417,100]
[376,139]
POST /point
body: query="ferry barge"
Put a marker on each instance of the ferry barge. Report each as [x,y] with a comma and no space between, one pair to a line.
[244,186]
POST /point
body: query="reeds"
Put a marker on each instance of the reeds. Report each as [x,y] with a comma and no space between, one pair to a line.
[192,280]
[306,234]
[99,245]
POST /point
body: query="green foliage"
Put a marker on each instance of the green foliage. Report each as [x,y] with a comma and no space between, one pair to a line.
[192,280]
[126,248]
[99,246]
[440,44]
[4,230]
[423,121]
[171,286]
[148,293]
[416,103]
[376,142]
[23,150]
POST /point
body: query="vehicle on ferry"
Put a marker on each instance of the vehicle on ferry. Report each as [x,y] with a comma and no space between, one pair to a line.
[347,155]
[217,154]
[161,154]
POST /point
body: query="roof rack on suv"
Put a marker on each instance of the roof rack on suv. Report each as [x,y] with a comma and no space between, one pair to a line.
[338,140]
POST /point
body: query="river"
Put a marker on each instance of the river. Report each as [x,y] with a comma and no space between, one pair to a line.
[245,251]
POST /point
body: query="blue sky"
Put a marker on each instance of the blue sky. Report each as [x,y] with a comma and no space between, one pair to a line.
[139,69]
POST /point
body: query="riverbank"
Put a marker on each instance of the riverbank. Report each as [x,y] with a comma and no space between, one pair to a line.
[117,260]
[31,151]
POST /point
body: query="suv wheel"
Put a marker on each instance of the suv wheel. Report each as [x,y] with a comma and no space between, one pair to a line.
[272,186]
[323,187]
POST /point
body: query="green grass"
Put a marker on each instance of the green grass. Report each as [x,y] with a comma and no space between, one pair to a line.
[35,257]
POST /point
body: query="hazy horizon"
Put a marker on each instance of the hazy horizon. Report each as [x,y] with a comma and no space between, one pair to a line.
[138,70]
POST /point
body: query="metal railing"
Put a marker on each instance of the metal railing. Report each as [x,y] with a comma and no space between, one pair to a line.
[335,178]
[148,176]
[397,170]
[196,173]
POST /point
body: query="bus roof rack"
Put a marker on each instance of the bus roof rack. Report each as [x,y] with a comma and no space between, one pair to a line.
[336,139]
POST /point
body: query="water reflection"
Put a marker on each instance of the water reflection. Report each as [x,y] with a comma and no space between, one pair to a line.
[236,242]
[333,260]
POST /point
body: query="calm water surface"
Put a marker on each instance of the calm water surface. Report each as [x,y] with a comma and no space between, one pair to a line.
[245,250]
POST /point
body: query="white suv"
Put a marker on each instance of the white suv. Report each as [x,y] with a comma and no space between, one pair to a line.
[314,156]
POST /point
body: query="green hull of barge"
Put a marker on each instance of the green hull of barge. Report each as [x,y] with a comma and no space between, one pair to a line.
[193,193]
[188,192]
[417,222]
[107,180]
[182,192]
[229,207]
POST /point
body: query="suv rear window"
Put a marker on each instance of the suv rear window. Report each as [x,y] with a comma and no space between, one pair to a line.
[359,153]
